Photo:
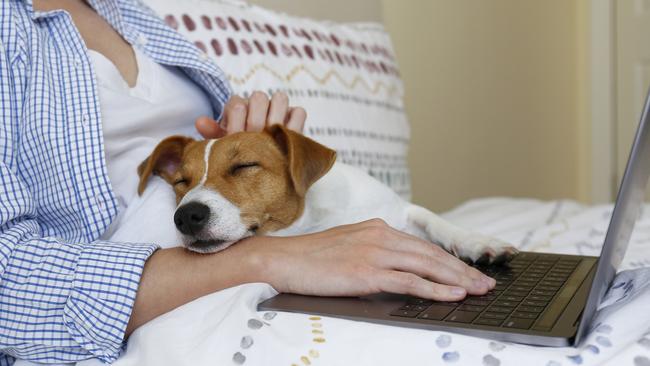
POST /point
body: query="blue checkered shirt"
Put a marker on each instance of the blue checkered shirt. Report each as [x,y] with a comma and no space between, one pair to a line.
[65,296]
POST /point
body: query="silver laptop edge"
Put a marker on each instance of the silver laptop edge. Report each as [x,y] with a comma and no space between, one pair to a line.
[626,211]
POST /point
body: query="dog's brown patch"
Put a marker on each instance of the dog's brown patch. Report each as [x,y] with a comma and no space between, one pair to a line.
[266,174]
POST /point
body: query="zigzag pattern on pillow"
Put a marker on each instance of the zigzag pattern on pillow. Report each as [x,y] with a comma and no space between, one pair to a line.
[344,75]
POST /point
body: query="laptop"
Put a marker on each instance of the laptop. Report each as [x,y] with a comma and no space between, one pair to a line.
[539,299]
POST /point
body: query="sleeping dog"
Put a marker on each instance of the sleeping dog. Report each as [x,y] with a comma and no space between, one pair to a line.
[279,182]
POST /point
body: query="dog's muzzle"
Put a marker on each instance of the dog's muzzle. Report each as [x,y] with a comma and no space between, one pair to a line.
[191,218]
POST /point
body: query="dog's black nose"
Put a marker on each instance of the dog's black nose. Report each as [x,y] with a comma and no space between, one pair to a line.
[191,217]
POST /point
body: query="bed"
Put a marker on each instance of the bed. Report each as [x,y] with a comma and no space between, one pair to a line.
[225,329]
[346,75]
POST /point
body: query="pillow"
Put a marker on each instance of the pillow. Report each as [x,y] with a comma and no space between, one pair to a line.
[344,75]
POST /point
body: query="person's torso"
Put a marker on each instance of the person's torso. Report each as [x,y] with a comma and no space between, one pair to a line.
[163,102]
[54,138]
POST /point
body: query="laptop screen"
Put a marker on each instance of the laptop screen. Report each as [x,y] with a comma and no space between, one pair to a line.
[626,211]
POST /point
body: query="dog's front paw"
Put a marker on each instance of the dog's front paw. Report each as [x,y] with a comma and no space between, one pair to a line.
[482,249]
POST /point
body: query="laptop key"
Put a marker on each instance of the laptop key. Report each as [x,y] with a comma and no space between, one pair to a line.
[518,323]
[527,284]
[521,294]
[494,315]
[436,312]
[510,304]
[521,288]
[556,278]
[536,270]
[471,308]
[418,308]
[418,301]
[459,316]
[544,298]
[501,309]
[523,315]
[531,309]
[537,292]
[471,301]
[547,288]
[511,298]
[405,313]
[488,321]
[534,303]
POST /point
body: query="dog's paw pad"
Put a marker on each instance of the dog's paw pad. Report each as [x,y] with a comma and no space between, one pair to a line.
[508,254]
[483,250]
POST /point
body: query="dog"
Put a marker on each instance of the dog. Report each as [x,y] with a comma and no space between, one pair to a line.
[281,183]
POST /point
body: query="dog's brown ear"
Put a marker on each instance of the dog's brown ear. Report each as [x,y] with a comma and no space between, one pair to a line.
[165,160]
[308,160]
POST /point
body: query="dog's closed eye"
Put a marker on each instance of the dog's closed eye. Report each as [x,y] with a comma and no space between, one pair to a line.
[180,181]
[239,167]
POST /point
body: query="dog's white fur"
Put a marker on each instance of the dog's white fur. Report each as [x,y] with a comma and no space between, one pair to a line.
[344,195]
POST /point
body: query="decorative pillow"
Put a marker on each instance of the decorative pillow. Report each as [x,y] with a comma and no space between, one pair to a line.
[344,75]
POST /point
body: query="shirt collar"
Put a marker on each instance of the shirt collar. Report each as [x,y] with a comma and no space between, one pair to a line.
[106,8]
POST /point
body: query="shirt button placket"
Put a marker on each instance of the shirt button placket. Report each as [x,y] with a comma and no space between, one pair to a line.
[99,202]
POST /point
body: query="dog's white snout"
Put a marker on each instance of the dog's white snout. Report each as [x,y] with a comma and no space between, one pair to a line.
[207,220]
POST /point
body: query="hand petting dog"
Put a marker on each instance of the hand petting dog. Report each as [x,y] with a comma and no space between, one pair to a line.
[253,114]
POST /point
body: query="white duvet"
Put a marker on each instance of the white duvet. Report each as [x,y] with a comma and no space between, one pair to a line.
[225,329]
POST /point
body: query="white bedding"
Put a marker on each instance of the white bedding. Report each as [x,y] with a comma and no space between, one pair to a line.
[225,329]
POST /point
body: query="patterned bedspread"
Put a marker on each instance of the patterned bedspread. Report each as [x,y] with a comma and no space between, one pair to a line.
[225,329]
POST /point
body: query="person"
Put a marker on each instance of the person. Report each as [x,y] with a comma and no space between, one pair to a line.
[85,84]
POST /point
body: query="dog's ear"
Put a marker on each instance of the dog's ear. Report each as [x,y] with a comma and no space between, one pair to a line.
[165,160]
[308,160]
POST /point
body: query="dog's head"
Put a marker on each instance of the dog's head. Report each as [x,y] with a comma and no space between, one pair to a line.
[241,185]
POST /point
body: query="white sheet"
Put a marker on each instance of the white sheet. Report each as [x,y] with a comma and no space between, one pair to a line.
[225,329]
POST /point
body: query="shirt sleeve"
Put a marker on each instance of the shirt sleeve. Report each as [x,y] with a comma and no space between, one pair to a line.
[60,301]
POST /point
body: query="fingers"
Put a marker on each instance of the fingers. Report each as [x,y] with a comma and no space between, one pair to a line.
[255,113]
[209,128]
[434,269]
[258,108]
[410,284]
[403,252]
[296,119]
[402,242]
[235,114]
[412,243]
[279,108]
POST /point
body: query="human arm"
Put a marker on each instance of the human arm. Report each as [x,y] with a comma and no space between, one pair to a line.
[349,260]
[61,299]
[253,114]
[64,297]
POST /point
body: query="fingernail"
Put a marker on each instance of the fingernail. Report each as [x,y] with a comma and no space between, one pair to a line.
[480,284]
[491,282]
[458,291]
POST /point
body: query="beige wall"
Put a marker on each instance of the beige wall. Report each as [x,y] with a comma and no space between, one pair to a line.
[497,92]
[495,95]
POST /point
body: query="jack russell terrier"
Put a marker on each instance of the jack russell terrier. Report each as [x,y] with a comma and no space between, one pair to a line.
[279,182]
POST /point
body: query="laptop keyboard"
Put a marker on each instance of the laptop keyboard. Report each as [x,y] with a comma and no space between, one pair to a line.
[524,288]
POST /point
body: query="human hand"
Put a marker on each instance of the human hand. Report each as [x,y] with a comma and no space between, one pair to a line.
[253,114]
[362,259]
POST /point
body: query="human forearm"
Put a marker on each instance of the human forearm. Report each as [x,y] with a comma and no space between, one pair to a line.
[173,277]
[349,260]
